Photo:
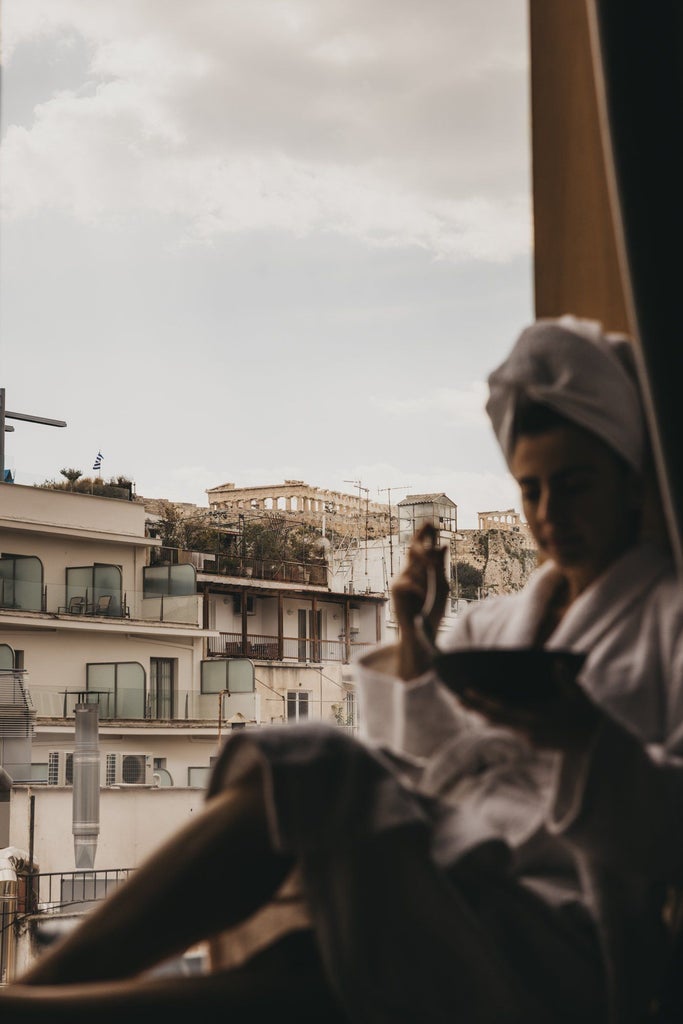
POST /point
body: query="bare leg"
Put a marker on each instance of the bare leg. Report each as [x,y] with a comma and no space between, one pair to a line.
[209,876]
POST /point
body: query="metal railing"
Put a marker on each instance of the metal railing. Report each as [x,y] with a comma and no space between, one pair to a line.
[58,890]
[264,647]
[74,605]
[245,566]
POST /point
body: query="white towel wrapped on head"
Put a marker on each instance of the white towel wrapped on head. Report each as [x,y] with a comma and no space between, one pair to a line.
[583,374]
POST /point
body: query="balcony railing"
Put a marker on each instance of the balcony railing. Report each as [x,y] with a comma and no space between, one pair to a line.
[60,890]
[54,599]
[263,647]
[245,566]
[127,706]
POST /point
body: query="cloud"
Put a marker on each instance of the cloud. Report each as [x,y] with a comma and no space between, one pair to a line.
[461,406]
[281,198]
[379,122]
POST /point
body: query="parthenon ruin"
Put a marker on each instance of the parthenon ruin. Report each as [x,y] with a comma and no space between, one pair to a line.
[507,520]
[313,505]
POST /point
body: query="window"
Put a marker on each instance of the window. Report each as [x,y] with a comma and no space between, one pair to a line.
[7,657]
[162,675]
[236,675]
[350,709]
[120,688]
[320,623]
[37,772]
[308,649]
[297,705]
[169,580]
[95,583]
[447,517]
[237,604]
[302,633]
[198,778]
[21,582]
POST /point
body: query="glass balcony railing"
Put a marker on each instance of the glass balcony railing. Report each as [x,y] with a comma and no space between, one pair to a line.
[124,705]
[57,599]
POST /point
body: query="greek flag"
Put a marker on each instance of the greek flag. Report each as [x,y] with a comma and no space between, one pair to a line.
[98,461]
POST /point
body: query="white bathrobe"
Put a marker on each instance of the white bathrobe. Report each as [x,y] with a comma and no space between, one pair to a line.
[629,623]
[450,873]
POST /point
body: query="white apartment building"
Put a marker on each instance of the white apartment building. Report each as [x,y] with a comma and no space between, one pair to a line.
[173,653]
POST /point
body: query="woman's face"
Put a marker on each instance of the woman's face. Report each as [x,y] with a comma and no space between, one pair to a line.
[578,497]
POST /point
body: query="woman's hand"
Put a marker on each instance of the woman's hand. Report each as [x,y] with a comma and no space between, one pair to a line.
[421,588]
[566,720]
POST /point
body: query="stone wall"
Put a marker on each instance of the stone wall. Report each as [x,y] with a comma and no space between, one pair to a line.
[494,561]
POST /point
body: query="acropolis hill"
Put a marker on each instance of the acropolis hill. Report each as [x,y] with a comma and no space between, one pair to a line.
[496,558]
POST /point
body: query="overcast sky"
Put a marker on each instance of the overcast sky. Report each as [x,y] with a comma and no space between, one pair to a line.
[250,240]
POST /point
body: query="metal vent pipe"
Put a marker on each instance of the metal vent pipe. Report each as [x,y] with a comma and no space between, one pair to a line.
[86,785]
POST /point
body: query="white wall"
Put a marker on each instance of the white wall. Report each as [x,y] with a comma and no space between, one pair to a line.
[74,511]
[133,823]
[57,660]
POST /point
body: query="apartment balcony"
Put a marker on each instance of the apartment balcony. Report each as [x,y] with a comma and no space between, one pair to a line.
[246,567]
[264,647]
[61,891]
[85,606]
[39,908]
[130,707]
[125,704]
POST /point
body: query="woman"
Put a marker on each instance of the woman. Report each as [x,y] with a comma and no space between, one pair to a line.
[451,865]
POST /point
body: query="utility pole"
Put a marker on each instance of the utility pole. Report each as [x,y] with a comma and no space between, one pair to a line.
[388,490]
[6,414]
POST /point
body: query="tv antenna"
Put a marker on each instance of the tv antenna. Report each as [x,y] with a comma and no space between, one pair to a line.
[360,487]
[388,490]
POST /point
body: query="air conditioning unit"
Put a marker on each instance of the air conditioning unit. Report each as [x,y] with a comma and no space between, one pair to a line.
[237,604]
[129,770]
[200,560]
[60,768]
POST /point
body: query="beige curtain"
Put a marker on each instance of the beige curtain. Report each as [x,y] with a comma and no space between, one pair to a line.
[605,113]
